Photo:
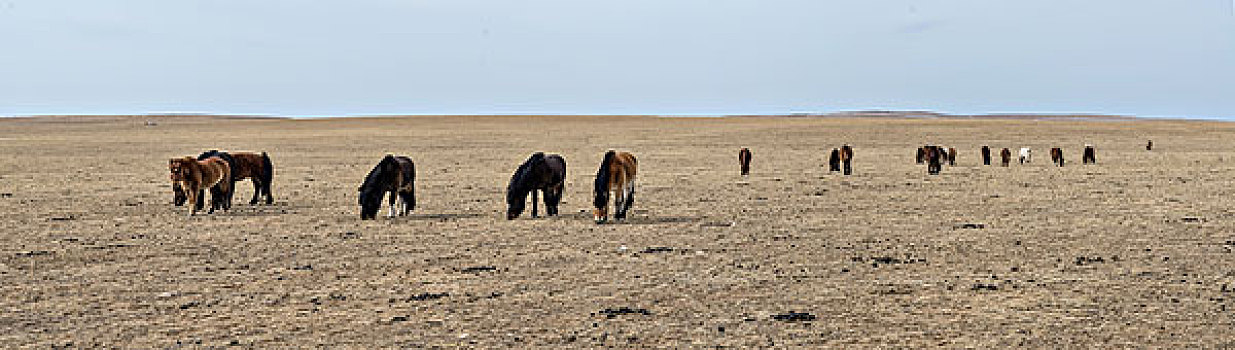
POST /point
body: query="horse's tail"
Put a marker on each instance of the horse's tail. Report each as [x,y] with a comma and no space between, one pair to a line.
[267,173]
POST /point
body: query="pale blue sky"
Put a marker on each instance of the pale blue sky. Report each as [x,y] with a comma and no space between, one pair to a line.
[359,57]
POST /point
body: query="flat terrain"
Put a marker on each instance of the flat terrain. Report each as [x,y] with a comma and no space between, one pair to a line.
[1134,251]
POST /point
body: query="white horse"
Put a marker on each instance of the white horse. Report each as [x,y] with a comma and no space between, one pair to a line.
[1026,156]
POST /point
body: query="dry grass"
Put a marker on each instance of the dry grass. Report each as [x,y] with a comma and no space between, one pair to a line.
[1134,251]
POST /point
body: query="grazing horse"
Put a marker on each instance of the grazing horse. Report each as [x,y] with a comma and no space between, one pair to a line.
[921,156]
[986,155]
[846,156]
[1005,156]
[951,156]
[1088,157]
[194,176]
[744,161]
[1025,155]
[244,165]
[1057,156]
[546,173]
[616,174]
[834,160]
[934,159]
[394,174]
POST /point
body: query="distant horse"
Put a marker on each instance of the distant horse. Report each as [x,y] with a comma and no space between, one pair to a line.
[951,156]
[1057,156]
[193,177]
[846,156]
[1088,157]
[834,160]
[744,160]
[394,174]
[986,155]
[616,174]
[1005,156]
[921,155]
[934,159]
[1149,146]
[545,173]
[1025,155]
[244,165]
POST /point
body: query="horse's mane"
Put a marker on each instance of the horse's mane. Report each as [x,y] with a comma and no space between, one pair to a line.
[377,174]
[518,181]
[602,175]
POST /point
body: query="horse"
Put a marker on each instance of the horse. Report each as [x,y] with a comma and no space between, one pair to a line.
[921,155]
[846,155]
[394,174]
[1025,155]
[1057,156]
[546,173]
[1005,156]
[194,176]
[951,156]
[1149,146]
[986,155]
[934,159]
[834,160]
[616,174]
[744,161]
[1088,157]
[244,165]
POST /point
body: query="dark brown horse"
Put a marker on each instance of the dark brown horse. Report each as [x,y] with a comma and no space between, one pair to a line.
[1149,146]
[393,174]
[986,155]
[744,161]
[194,176]
[951,156]
[846,156]
[545,173]
[1005,156]
[616,174]
[921,155]
[834,160]
[1089,157]
[1057,156]
[935,157]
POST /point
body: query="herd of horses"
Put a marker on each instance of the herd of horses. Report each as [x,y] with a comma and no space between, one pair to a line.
[394,177]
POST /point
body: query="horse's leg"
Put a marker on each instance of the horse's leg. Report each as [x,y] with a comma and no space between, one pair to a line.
[266,192]
[630,198]
[215,198]
[193,199]
[393,196]
[535,213]
[848,170]
[200,202]
[257,190]
[552,198]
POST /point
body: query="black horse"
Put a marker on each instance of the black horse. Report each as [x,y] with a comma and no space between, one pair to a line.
[986,155]
[834,160]
[394,174]
[546,173]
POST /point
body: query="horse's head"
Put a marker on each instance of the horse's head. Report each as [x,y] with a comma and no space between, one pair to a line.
[601,202]
[179,168]
[178,196]
[370,201]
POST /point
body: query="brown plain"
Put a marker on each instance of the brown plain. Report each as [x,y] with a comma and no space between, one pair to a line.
[1136,250]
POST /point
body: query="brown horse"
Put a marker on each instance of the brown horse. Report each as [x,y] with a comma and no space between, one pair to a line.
[846,156]
[744,161]
[1005,156]
[951,156]
[1088,157]
[616,174]
[986,155]
[192,176]
[921,155]
[1057,156]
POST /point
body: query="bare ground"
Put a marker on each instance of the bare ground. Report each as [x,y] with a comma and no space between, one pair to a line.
[1134,251]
